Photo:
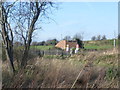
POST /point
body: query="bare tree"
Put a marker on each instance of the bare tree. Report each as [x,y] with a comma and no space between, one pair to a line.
[93,38]
[67,38]
[99,37]
[6,30]
[29,13]
[103,37]
[79,36]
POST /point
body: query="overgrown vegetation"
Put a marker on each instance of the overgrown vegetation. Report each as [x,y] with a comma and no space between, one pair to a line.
[26,64]
[100,68]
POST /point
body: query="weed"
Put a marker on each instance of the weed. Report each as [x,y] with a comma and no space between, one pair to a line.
[111,73]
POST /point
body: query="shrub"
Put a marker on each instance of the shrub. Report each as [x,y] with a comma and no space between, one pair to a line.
[18,54]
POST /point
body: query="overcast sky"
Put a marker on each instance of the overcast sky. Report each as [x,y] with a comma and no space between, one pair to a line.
[90,18]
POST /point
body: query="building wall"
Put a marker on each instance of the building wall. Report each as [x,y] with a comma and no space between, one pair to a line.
[72,44]
[61,44]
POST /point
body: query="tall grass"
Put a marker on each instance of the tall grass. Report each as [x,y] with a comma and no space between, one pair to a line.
[58,73]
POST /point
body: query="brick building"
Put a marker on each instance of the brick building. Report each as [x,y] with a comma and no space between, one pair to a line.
[63,44]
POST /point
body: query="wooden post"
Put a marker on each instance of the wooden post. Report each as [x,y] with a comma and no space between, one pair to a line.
[114,42]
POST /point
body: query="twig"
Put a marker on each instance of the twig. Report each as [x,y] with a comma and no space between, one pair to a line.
[87,65]
[76,79]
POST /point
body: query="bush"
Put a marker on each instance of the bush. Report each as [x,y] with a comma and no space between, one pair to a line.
[18,54]
[6,79]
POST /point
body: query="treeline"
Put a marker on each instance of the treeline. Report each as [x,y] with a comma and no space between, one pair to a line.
[45,43]
[99,37]
[79,36]
[42,43]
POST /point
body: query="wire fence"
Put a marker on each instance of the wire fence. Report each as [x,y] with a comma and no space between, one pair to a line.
[49,52]
[57,52]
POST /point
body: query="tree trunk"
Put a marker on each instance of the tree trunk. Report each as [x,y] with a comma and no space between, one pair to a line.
[30,32]
[10,57]
[25,57]
[6,38]
[9,49]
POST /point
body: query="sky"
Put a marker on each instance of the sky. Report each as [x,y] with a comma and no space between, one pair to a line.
[89,18]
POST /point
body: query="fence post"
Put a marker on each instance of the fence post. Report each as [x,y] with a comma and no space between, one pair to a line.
[57,52]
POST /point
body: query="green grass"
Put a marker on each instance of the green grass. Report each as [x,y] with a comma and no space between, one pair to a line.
[102,44]
[42,47]
[98,47]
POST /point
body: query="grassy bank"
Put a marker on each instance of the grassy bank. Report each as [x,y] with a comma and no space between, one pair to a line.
[101,44]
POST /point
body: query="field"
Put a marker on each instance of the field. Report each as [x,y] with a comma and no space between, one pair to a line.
[102,44]
[99,45]
[94,69]
[42,47]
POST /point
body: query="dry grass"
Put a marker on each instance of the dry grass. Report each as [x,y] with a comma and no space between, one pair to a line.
[58,73]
